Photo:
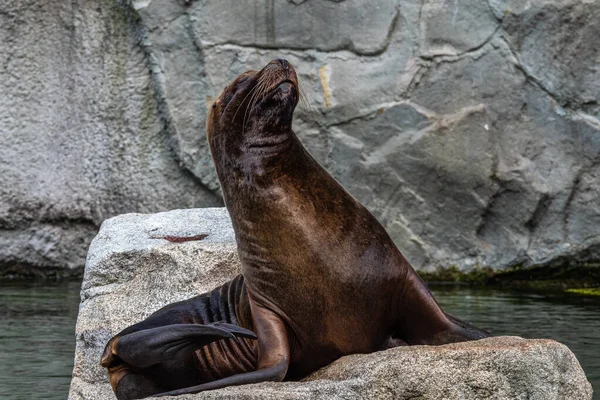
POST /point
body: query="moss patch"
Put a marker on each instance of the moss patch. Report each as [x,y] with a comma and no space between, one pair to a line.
[452,274]
[558,277]
[585,291]
[550,277]
[19,271]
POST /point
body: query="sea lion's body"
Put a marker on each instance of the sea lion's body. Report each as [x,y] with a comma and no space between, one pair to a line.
[321,277]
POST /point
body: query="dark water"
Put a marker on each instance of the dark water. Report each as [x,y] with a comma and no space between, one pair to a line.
[37,339]
[37,330]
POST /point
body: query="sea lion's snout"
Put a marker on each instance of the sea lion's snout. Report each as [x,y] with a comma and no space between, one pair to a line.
[280,70]
[284,70]
[281,91]
[282,63]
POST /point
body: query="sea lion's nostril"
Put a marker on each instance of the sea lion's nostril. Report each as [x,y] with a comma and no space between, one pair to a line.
[283,62]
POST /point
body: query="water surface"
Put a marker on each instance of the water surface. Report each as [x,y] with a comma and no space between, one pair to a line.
[37,330]
[37,339]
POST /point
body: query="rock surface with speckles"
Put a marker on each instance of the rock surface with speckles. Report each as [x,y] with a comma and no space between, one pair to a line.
[81,136]
[131,271]
[470,128]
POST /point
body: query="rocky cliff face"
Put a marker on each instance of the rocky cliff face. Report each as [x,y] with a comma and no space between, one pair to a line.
[470,128]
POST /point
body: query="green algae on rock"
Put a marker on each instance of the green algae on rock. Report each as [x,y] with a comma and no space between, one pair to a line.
[585,291]
[553,277]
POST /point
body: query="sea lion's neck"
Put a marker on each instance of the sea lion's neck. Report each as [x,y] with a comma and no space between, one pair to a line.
[258,158]
[265,146]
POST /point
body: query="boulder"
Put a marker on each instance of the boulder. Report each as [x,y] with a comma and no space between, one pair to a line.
[131,271]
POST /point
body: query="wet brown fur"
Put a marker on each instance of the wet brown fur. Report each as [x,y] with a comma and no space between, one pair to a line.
[309,250]
[321,277]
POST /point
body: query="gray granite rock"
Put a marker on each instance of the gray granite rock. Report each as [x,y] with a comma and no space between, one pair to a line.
[496,368]
[81,138]
[131,272]
[470,128]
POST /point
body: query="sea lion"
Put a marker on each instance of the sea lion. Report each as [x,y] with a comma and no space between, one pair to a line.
[320,278]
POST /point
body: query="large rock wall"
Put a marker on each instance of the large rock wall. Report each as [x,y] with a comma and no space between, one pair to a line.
[470,128]
[81,139]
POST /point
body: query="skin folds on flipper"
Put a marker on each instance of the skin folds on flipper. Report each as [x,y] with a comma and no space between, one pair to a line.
[321,276]
[183,344]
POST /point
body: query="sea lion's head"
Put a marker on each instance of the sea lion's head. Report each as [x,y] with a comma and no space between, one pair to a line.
[256,106]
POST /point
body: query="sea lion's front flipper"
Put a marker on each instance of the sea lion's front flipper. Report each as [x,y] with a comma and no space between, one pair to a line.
[273,355]
[149,347]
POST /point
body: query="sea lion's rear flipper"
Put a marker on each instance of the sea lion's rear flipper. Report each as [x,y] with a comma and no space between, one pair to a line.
[422,321]
[273,351]
[152,346]
[462,331]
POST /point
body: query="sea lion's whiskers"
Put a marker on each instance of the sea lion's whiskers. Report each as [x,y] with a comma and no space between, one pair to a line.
[262,91]
[264,81]
[242,103]
[262,87]
[268,79]
[257,89]
[303,98]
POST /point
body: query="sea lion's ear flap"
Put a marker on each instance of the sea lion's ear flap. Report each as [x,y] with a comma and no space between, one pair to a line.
[149,347]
